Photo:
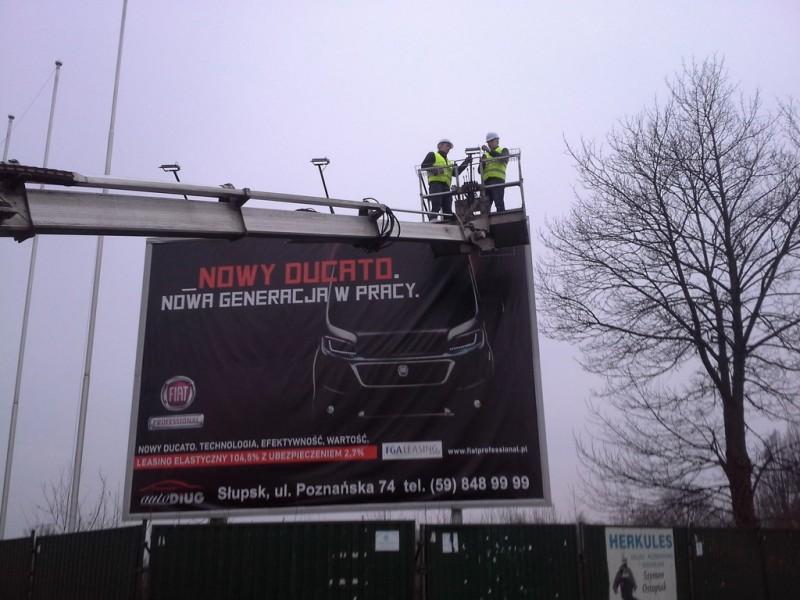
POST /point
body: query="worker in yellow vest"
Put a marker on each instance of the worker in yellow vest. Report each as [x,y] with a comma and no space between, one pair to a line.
[440,176]
[493,170]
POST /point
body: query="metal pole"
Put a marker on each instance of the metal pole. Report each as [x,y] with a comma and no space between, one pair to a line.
[110,145]
[173,168]
[52,114]
[23,336]
[12,429]
[324,187]
[521,187]
[178,179]
[8,137]
[72,512]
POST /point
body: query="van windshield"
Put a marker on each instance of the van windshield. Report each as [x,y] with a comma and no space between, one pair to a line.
[425,293]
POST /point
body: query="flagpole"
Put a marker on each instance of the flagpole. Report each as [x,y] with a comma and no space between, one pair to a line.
[12,428]
[72,512]
[8,137]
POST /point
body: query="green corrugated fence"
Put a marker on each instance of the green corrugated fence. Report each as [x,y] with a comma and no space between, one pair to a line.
[337,560]
[87,565]
[781,550]
[384,560]
[15,568]
[467,562]
[501,561]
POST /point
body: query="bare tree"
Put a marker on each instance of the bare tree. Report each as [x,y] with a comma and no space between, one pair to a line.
[670,509]
[517,515]
[102,511]
[778,493]
[678,274]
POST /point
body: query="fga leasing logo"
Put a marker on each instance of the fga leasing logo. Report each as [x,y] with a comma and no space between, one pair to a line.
[177,393]
[171,492]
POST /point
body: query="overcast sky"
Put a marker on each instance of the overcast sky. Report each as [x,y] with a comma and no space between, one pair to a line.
[248,92]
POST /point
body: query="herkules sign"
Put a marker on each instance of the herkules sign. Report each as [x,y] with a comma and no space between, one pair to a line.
[281,375]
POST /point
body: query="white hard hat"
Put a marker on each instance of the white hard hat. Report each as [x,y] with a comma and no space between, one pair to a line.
[492,136]
[445,141]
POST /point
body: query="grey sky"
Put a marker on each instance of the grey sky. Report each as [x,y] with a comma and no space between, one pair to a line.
[248,92]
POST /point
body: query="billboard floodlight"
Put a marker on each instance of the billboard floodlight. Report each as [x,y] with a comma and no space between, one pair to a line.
[173,168]
[319,163]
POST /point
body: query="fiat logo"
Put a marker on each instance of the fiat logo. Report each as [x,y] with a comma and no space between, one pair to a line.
[402,370]
[177,393]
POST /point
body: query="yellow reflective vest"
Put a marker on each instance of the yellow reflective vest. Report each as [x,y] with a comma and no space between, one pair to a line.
[440,162]
[494,167]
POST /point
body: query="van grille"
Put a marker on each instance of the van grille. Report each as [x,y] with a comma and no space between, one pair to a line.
[399,374]
[402,344]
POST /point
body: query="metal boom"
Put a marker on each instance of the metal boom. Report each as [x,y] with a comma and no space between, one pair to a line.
[25,212]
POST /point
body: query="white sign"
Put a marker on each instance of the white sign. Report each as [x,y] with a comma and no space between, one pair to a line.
[387,540]
[641,564]
[450,543]
[412,450]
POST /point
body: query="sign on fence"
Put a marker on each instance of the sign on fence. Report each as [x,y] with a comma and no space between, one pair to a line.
[281,375]
[641,564]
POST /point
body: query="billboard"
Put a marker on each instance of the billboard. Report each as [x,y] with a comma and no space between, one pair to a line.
[280,375]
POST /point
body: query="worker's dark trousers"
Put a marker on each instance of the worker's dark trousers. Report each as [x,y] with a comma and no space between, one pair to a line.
[496,195]
[442,203]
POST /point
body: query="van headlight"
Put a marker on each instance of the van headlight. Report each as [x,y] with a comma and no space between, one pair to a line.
[466,341]
[338,347]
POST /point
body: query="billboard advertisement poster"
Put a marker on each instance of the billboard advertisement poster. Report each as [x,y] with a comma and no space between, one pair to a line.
[283,375]
[641,564]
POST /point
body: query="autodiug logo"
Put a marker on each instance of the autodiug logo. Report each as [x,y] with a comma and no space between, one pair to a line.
[171,492]
[177,393]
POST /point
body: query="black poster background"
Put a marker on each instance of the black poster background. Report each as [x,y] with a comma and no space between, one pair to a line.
[255,370]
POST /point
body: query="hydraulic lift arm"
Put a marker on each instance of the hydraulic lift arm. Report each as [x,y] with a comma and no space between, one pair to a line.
[25,211]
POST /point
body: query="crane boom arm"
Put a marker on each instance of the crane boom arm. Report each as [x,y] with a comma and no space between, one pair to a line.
[25,211]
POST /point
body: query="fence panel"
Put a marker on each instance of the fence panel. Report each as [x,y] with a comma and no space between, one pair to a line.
[683,559]
[15,566]
[90,564]
[781,550]
[726,563]
[595,581]
[501,561]
[336,560]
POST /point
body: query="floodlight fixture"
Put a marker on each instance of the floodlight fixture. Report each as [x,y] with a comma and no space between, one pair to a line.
[472,150]
[320,163]
[173,168]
